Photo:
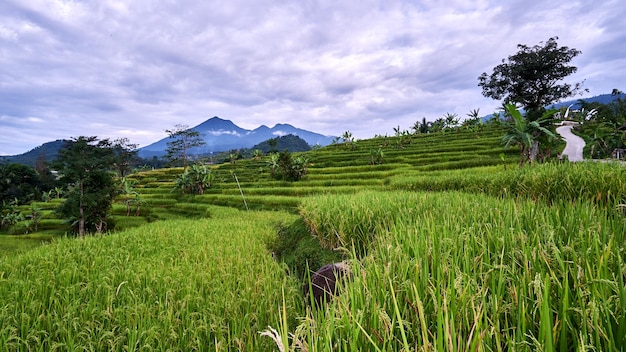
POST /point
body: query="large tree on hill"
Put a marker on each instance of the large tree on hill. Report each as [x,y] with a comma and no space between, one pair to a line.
[531,77]
[183,139]
[86,167]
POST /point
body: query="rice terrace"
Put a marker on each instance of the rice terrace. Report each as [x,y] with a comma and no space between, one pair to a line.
[452,247]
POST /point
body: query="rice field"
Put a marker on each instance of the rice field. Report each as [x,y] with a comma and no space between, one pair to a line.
[182,285]
[462,272]
[451,249]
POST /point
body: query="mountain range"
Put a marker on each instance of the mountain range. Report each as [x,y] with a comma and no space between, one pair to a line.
[223,135]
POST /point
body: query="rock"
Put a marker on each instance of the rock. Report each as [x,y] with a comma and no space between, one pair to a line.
[323,284]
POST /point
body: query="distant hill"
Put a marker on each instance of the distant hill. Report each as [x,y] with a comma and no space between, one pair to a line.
[602,99]
[289,142]
[48,150]
[575,103]
[223,135]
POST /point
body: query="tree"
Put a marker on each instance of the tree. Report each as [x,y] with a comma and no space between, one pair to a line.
[85,165]
[525,134]
[183,140]
[19,182]
[423,127]
[531,77]
[126,155]
[288,168]
[451,120]
[195,180]
[347,137]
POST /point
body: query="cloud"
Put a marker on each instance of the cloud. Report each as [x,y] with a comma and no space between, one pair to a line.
[136,68]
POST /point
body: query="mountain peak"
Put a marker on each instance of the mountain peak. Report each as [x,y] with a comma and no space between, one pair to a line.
[216,124]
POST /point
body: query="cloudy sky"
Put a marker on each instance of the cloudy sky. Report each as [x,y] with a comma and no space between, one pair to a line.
[118,68]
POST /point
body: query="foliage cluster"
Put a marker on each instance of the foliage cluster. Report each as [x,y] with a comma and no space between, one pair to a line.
[195,179]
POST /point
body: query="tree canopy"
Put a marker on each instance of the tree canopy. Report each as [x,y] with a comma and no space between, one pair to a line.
[531,77]
[183,139]
[85,165]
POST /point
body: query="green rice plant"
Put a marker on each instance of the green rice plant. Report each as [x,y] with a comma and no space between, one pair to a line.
[179,285]
[462,272]
[600,183]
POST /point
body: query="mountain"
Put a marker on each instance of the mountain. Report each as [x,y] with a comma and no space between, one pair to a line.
[48,151]
[223,135]
[575,104]
[602,99]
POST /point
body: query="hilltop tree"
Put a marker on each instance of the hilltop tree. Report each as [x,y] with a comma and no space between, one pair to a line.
[184,139]
[85,165]
[531,77]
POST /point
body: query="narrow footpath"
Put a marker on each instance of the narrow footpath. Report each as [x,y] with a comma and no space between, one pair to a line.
[573,144]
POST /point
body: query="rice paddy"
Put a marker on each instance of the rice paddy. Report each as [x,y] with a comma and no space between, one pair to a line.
[452,248]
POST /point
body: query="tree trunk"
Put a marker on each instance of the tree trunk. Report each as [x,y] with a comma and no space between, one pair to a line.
[534,150]
[81,216]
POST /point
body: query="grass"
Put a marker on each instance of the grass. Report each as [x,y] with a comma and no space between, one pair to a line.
[172,285]
[461,272]
[452,249]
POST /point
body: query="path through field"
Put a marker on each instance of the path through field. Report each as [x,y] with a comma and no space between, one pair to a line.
[574,144]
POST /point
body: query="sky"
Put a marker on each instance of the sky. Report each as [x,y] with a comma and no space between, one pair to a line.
[132,69]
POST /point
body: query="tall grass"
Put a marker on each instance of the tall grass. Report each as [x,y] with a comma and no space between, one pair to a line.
[180,285]
[461,272]
[600,183]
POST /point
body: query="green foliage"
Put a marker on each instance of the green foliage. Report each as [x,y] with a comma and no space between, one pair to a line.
[10,214]
[85,165]
[183,139]
[377,156]
[527,134]
[195,180]
[530,77]
[19,182]
[604,127]
[289,168]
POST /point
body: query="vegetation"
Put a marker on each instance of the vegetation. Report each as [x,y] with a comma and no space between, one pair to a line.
[527,134]
[173,285]
[449,249]
[85,165]
[531,77]
[603,126]
[456,272]
[183,139]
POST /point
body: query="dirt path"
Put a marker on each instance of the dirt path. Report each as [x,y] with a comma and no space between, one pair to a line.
[573,144]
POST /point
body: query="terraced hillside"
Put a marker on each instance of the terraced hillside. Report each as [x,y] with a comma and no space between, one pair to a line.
[339,168]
